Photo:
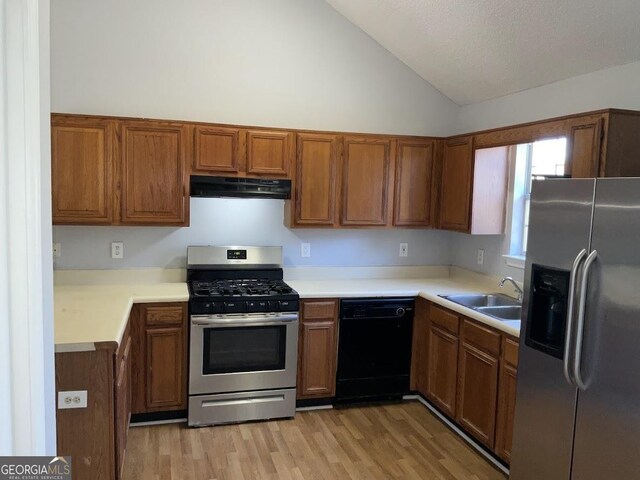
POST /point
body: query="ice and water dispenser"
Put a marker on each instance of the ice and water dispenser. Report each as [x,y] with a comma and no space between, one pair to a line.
[547,316]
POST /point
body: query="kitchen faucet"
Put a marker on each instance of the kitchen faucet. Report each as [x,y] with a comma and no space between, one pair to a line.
[517,287]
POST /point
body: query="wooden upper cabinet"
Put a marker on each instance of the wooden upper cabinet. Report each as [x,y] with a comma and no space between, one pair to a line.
[217,150]
[366,181]
[82,170]
[413,190]
[316,172]
[583,149]
[153,173]
[457,184]
[269,152]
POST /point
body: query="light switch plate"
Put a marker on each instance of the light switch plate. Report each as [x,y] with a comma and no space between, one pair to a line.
[404,250]
[305,250]
[72,399]
[57,250]
[117,249]
[480,256]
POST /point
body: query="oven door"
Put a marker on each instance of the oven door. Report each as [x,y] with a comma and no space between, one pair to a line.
[243,352]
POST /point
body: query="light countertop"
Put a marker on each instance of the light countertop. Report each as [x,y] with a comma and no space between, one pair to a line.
[429,288]
[88,314]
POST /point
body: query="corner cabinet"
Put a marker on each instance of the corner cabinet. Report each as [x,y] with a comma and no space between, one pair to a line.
[154,181]
[456,184]
[317,349]
[367,181]
[109,171]
[414,183]
[473,187]
[82,170]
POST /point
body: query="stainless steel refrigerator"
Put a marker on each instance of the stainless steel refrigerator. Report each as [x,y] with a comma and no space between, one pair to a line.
[577,410]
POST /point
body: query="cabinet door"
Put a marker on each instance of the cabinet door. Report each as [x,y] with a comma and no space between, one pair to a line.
[366,172]
[82,170]
[316,167]
[583,150]
[153,174]
[506,400]
[165,367]
[420,348]
[123,405]
[442,367]
[477,393]
[414,174]
[317,361]
[457,184]
[269,152]
[217,150]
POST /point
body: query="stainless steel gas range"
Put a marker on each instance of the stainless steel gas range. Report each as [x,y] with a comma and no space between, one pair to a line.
[244,335]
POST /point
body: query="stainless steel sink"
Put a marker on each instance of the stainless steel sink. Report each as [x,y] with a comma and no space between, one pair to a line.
[497,305]
[502,313]
[479,300]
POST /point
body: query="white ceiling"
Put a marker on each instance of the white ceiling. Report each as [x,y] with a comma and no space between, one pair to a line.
[475,50]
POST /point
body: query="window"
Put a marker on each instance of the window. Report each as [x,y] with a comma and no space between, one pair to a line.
[542,158]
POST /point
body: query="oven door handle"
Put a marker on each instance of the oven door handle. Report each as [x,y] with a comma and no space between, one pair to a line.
[243,320]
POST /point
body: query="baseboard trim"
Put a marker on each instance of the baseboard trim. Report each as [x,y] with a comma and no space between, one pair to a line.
[475,445]
[157,422]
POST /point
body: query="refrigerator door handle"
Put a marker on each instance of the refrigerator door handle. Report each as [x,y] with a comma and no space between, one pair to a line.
[570,308]
[577,356]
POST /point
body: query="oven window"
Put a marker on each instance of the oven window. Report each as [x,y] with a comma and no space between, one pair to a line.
[244,349]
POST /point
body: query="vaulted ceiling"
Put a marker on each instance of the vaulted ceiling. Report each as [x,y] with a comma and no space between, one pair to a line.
[475,50]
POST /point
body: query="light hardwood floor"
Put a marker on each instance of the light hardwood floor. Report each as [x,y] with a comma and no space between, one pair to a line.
[403,441]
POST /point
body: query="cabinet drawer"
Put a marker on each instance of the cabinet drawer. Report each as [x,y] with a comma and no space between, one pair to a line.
[444,319]
[321,309]
[169,314]
[481,337]
[511,352]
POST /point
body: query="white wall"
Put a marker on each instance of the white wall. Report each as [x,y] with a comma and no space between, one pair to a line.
[27,400]
[286,63]
[246,221]
[617,87]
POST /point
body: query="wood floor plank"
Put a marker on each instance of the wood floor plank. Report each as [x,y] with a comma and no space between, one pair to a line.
[392,441]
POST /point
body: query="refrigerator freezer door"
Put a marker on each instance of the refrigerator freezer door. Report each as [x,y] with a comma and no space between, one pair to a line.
[608,417]
[560,227]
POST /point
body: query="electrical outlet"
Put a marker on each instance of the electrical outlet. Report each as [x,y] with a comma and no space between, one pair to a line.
[480,256]
[404,250]
[117,250]
[305,249]
[57,250]
[72,399]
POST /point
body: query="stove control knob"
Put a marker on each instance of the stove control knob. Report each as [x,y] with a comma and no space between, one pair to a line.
[399,312]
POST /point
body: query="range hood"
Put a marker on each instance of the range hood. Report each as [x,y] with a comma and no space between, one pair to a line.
[205,186]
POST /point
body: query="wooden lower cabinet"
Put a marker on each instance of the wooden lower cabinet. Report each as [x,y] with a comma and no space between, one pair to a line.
[160,357]
[317,349]
[506,398]
[442,368]
[123,401]
[420,348]
[478,381]
[114,377]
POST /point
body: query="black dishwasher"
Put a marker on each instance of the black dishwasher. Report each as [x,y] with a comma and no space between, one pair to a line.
[374,349]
